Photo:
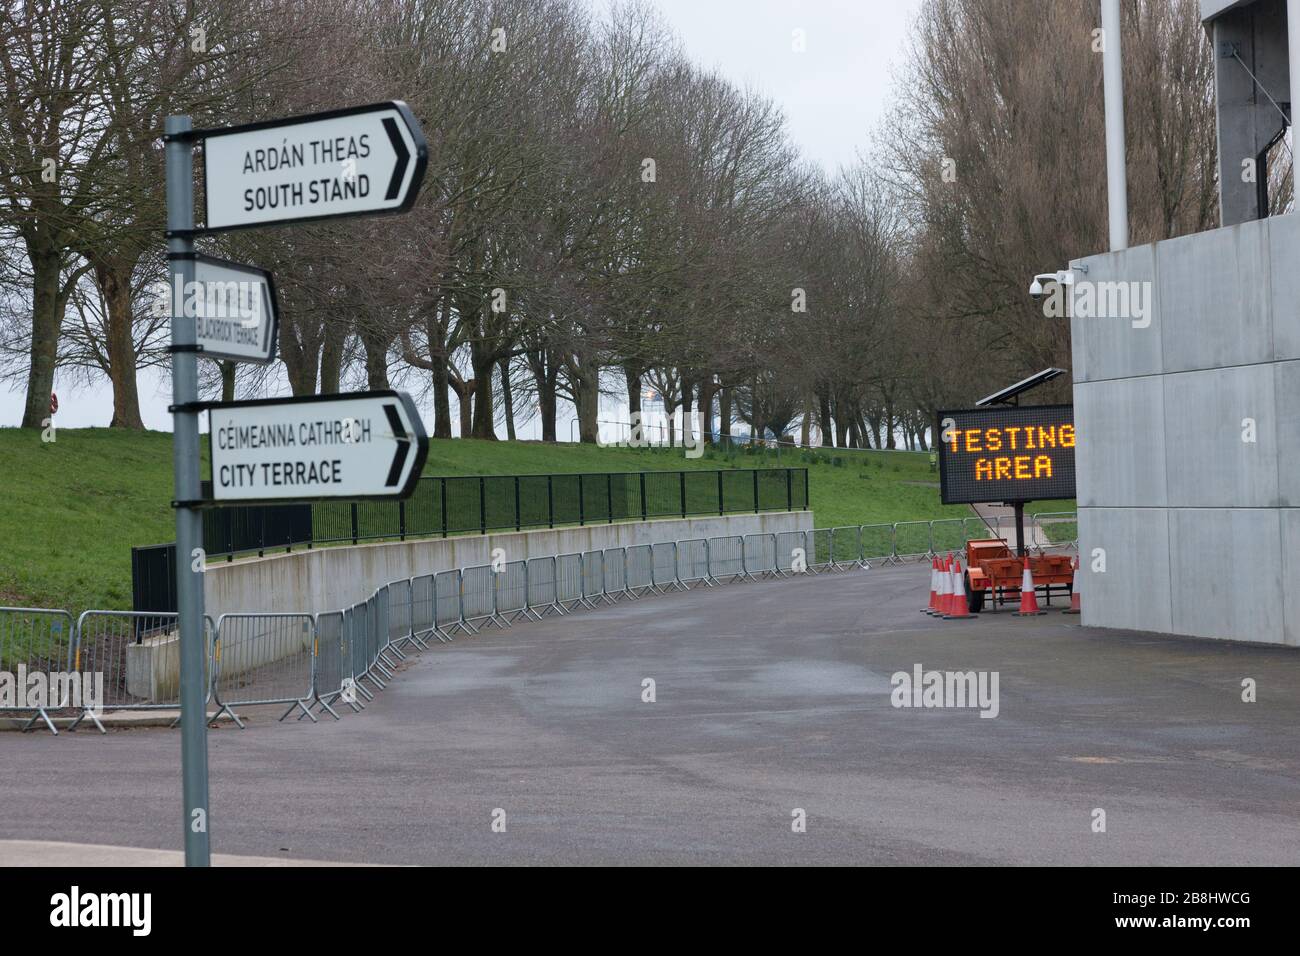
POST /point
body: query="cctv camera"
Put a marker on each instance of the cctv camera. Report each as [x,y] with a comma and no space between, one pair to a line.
[1036,289]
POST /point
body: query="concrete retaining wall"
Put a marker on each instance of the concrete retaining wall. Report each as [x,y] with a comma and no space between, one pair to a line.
[327,579]
[1201,528]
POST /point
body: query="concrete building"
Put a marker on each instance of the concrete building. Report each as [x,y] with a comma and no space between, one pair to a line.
[1189,414]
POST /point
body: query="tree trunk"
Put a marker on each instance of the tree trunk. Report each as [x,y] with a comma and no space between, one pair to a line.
[465,399]
[824,417]
[376,344]
[484,408]
[114,281]
[633,380]
[724,415]
[228,370]
[589,414]
[331,357]
[507,398]
[441,400]
[688,426]
[708,389]
[48,302]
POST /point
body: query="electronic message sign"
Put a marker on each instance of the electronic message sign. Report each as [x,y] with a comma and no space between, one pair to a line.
[1006,453]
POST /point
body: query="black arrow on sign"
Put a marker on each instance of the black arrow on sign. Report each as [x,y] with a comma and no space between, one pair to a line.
[403,158]
[403,442]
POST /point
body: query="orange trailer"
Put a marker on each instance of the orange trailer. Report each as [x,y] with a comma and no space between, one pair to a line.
[994,570]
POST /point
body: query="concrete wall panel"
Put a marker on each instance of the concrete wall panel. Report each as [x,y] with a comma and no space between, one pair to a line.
[1290,562]
[1120,459]
[1284,260]
[1134,590]
[1227,576]
[1207,461]
[1214,298]
[1286,376]
[1112,347]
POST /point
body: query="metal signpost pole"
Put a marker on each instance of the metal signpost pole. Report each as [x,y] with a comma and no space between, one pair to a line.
[189,523]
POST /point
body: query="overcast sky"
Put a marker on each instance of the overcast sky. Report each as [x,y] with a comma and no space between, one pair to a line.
[834,95]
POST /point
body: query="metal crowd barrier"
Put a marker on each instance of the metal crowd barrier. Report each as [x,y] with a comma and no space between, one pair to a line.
[137,657]
[448,610]
[38,641]
[593,579]
[542,597]
[512,592]
[759,551]
[727,558]
[693,563]
[1068,521]
[568,582]
[264,659]
[639,576]
[314,662]
[615,564]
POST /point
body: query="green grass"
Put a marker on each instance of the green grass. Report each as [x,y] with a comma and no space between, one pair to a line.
[73,508]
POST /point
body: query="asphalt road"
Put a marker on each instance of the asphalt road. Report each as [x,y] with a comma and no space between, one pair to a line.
[769,697]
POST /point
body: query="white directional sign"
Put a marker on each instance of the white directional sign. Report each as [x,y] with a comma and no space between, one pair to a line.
[235,310]
[353,162]
[364,445]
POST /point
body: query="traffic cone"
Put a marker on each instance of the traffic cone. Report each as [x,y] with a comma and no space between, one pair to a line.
[958,609]
[1028,599]
[944,592]
[934,583]
[1074,607]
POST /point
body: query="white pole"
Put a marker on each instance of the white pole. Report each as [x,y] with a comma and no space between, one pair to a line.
[1113,78]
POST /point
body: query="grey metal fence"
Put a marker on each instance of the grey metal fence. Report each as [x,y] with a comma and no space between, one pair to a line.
[542,597]
[640,574]
[615,564]
[593,579]
[512,592]
[478,597]
[38,641]
[693,563]
[137,657]
[568,581]
[264,659]
[315,662]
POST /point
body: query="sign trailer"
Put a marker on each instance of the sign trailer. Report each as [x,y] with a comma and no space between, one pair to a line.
[364,161]
[1006,454]
[1003,451]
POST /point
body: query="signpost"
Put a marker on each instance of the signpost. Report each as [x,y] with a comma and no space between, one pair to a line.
[366,445]
[354,162]
[367,160]
[235,310]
